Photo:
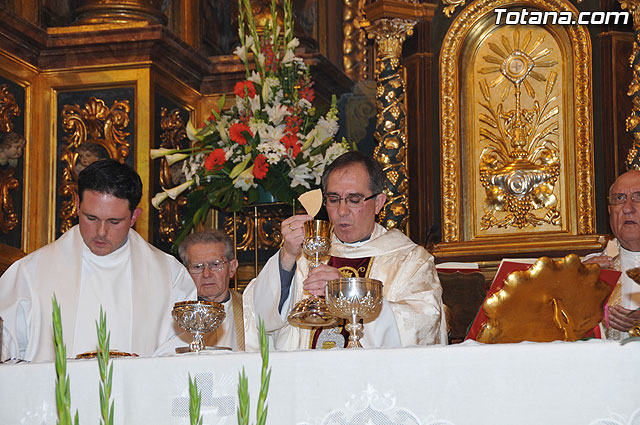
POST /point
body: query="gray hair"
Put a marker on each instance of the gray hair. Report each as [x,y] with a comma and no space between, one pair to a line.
[207,236]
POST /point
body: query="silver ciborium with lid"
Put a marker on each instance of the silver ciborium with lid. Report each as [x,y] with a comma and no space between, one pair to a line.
[354,298]
[197,318]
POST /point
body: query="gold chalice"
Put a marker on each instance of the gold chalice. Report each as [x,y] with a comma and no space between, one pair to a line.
[354,298]
[312,311]
[197,318]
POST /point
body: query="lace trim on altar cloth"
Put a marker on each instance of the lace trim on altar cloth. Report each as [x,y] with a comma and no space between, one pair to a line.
[373,408]
[616,419]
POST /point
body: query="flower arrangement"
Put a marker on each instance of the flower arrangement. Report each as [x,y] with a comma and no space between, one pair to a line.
[273,139]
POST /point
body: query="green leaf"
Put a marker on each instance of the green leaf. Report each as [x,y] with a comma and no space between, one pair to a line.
[239,168]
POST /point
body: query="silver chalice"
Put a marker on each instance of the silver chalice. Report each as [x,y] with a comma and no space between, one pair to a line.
[197,318]
[312,311]
[354,298]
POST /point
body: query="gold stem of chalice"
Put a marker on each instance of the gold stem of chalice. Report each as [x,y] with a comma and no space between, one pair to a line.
[312,311]
[354,298]
[197,318]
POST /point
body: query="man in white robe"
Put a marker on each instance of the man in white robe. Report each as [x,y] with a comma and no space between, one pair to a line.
[623,254]
[101,262]
[210,260]
[412,312]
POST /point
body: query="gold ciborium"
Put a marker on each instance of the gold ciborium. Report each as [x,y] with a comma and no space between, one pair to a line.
[312,311]
[354,298]
[197,318]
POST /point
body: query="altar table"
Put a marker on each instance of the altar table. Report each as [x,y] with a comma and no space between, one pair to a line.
[587,383]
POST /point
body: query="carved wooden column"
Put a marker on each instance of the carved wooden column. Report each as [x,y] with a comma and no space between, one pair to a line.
[391,23]
[633,121]
[120,11]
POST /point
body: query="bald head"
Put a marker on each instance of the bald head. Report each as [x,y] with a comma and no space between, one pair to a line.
[625,216]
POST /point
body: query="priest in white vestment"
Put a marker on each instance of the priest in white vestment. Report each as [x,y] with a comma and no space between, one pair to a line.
[101,262]
[622,254]
[210,259]
[412,312]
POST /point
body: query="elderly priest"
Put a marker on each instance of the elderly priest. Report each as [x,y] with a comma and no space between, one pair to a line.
[623,253]
[101,261]
[412,310]
[209,257]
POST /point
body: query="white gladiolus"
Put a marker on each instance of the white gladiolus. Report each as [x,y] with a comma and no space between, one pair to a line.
[174,192]
[293,43]
[158,199]
[240,53]
[261,59]
[245,180]
[288,57]
[255,78]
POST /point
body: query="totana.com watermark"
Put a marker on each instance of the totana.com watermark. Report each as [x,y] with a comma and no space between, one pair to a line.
[539,17]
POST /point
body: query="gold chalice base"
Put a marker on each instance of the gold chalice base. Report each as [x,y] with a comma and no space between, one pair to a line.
[313,312]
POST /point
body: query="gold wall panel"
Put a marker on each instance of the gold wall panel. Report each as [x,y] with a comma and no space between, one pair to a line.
[516,133]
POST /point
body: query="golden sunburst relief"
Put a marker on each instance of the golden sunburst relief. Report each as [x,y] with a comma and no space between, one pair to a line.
[520,163]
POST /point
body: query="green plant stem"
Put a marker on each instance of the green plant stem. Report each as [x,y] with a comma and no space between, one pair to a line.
[243,385]
[103,365]
[195,400]
[63,386]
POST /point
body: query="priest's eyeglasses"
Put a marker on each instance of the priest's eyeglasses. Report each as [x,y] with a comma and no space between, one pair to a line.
[354,200]
[621,198]
[213,266]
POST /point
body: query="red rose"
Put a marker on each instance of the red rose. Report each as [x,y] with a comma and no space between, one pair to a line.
[235,133]
[239,89]
[290,142]
[260,167]
[215,160]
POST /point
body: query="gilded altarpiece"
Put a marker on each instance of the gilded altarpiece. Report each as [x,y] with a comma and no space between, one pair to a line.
[91,125]
[517,139]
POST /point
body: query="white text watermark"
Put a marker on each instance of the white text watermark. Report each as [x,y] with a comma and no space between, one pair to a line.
[539,17]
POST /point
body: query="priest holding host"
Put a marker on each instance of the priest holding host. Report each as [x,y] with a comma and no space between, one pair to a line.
[622,253]
[101,262]
[209,257]
[412,312]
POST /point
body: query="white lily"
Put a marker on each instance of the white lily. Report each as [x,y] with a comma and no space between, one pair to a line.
[176,157]
[192,132]
[299,176]
[277,113]
[159,153]
[158,199]
[245,180]
[174,192]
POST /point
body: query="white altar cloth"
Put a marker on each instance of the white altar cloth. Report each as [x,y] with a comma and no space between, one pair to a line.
[586,383]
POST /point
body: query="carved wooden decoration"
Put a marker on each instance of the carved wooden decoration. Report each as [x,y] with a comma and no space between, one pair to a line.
[173,136]
[11,148]
[95,132]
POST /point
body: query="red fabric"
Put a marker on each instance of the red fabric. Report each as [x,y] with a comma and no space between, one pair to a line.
[507,267]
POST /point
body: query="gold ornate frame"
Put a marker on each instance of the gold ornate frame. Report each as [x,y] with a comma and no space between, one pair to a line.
[578,194]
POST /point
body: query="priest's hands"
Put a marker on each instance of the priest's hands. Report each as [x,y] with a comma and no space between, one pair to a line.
[292,230]
[621,318]
[604,261]
[318,278]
